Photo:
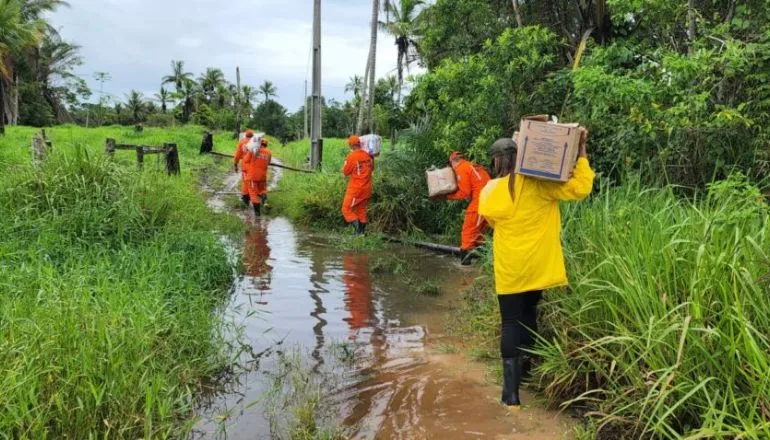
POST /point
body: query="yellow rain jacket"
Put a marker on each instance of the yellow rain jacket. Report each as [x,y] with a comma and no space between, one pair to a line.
[527,237]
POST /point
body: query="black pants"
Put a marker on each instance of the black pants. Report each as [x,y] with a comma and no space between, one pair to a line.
[519,322]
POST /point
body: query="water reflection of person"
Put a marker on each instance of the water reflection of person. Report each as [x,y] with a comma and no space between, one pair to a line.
[358,291]
[256,255]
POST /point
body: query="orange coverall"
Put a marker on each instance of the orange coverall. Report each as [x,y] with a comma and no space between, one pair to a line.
[256,173]
[471,179]
[359,167]
[240,153]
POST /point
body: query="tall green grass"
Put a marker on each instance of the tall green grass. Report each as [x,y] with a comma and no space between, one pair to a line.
[109,282]
[665,331]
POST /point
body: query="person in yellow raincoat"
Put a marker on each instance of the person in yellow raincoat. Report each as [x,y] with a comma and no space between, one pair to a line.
[528,256]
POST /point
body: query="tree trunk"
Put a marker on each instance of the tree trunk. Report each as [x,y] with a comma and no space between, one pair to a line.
[691,21]
[373,61]
[15,102]
[362,106]
[516,12]
[2,107]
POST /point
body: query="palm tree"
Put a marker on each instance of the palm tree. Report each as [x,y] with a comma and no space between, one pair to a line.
[268,89]
[354,85]
[135,105]
[178,75]
[163,98]
[371,68]
[223,94]
[209,81]
[20,29]
[249,94]
[54,63]
[404,27]
[188,94]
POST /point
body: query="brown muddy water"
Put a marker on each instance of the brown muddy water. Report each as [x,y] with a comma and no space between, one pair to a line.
[355,322]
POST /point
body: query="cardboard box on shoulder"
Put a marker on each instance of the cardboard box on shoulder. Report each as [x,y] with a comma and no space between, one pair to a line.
[547,150]
[441,182]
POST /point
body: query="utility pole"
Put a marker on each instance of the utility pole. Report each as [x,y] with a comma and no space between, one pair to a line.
[238,101]
[305,133]
[316,150]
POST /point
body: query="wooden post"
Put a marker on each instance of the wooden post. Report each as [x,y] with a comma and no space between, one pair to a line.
[48,142]
[109,147]
[207,144]
[172,159]
[38,150]
[140,157]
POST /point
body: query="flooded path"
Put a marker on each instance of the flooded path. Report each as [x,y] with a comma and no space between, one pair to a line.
[357,316]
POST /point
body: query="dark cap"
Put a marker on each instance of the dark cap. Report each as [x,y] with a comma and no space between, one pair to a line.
[503,147]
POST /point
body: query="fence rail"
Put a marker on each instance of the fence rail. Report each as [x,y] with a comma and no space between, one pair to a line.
[169,150]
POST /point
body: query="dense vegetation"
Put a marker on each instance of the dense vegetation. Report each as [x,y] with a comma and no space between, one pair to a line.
[109,279]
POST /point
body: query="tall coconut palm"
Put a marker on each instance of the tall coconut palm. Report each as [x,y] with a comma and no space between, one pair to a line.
[223,95]
[209,81]
[249,94]
[371,68]
[178,75]
[163,97]
[403,25]
[188,96]
[136,106]
[54,62]
[268,89]
[355,83]
[20,30]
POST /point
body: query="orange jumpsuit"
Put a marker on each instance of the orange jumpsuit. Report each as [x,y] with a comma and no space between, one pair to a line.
[256,173]
[240,153]
[471,179]
[359,167]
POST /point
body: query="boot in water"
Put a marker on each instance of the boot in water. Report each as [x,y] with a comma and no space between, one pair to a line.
[245,199]
[465,258]
[257,210]
[356,226]
[511,383]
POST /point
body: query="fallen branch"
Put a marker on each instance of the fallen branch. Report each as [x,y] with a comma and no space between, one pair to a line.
[442,248]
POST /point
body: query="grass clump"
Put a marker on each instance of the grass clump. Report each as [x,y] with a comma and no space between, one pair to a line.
[109,281]
[663,333]
[297,405]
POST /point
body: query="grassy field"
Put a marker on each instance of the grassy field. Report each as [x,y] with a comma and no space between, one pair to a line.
[109,281]
[664,332]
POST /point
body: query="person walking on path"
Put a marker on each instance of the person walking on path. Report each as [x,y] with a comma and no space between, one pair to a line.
[471,179]
[358,168]
[240,153]
[256,161]
[528,256]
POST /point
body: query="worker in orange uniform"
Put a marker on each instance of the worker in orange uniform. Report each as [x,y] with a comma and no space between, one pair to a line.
[471,179]
[240,152]
[256,161]
[358,168]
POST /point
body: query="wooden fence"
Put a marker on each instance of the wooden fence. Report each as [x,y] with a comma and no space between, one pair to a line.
[170,152]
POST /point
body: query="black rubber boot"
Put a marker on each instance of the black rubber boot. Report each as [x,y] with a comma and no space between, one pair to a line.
[356,226]
[511,382]
[465,258]
[263,198]
[257,209]
[245,199]
[361,228]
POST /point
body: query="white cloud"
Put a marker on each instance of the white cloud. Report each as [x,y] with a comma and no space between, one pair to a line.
[135,40]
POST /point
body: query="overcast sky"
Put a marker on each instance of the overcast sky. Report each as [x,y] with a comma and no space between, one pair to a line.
[135,41]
